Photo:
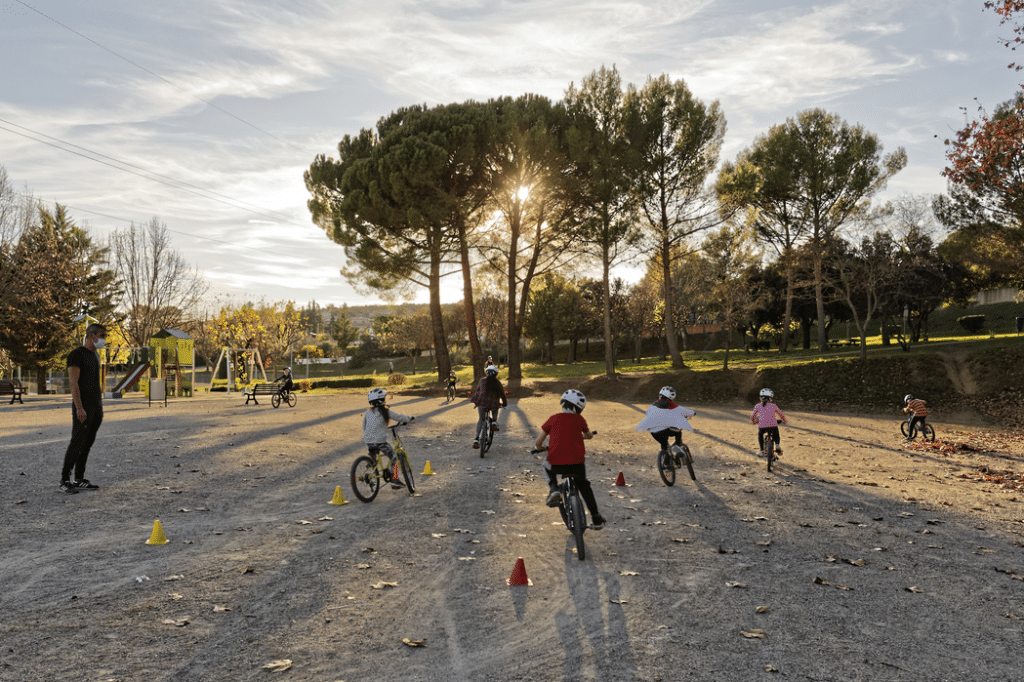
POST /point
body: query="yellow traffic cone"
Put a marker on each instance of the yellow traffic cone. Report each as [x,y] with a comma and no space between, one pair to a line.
[427,471]
[157,537]
[339,499]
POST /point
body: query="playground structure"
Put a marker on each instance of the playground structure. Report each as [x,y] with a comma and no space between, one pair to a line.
[237,368]
[170,351]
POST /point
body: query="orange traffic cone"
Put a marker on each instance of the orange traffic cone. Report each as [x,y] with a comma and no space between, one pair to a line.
[518,576]
[620,480]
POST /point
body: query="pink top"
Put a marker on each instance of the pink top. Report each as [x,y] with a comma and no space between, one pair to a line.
[767,416]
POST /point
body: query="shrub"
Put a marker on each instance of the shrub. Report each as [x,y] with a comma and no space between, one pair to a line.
[305,385]
[972,323]
[396,379]
[360,358]
[343,383]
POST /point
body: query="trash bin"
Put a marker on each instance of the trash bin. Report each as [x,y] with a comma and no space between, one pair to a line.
[158,390]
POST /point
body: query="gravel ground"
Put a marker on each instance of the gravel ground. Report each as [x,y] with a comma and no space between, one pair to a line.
[860,558]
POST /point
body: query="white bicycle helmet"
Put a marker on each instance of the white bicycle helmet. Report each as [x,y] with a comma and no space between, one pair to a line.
[667,392]
[491,370]
[574,399]
[377,396]
[767,393]
[907,398]
[287,369]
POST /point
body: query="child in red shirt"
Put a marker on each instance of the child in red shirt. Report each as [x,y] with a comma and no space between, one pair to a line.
[567,453]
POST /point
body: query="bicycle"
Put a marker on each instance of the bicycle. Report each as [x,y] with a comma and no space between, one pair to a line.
[451,393]
[769,449]
[570,506]
[488,438]
[369,471]
[926,430]
[283,396]
[672,459]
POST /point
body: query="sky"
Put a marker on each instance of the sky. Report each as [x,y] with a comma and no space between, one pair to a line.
[205,114]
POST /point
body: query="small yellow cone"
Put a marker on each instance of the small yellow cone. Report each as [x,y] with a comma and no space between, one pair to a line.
[339,499]
[157,537]
[427,471]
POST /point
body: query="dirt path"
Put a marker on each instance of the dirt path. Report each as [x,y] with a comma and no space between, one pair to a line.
[872,560]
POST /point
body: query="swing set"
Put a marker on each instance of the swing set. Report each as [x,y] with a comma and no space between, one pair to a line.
[240,369]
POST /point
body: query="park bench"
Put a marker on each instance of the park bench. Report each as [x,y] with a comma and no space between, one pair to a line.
[13,388]
[251,392]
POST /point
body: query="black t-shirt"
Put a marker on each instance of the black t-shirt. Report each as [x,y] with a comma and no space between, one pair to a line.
[88,364]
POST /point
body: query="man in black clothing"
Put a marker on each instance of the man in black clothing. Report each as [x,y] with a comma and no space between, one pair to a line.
[86,408]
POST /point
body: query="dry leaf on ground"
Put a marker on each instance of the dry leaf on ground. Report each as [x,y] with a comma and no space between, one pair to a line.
[753,634]
[414,642]
[381,585]
[278,666]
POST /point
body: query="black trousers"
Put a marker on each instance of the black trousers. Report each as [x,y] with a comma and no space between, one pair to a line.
[774,430]
[83,435]
[663,436]
[577,471]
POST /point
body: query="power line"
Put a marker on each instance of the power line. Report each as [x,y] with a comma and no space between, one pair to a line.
[156,75]
[187,234]
[146,174]
[155,175]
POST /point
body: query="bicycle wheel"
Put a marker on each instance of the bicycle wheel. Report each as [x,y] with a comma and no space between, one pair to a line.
[365,478]
[769,452]
[485,444]
[928,433]
[688,459]
[905,428]
[275,400]
[451,394]
[666,467]
[403,458]
[292,399]
[579,522]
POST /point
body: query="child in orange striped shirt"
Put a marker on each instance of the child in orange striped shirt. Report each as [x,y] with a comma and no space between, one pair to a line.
[920,410]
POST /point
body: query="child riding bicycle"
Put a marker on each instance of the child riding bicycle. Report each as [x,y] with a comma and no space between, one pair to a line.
[767,416]
[567,453]
[375,428]
[488,396]
[920,410]
[664,419]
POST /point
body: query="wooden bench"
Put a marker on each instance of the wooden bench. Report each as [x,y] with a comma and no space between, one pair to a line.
[13,388]
[260,389]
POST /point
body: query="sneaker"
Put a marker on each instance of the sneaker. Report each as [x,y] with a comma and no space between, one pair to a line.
[554,497]
[84,484]
[494,426]
[760,453]
[476,445]
[67,488]
[597,522]
[778,452]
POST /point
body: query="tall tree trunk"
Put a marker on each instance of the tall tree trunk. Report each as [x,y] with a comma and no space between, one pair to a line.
[670,325]
[819,301]
[609,345]
[467,297]
[784,342]
[444,363]
[515,321]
